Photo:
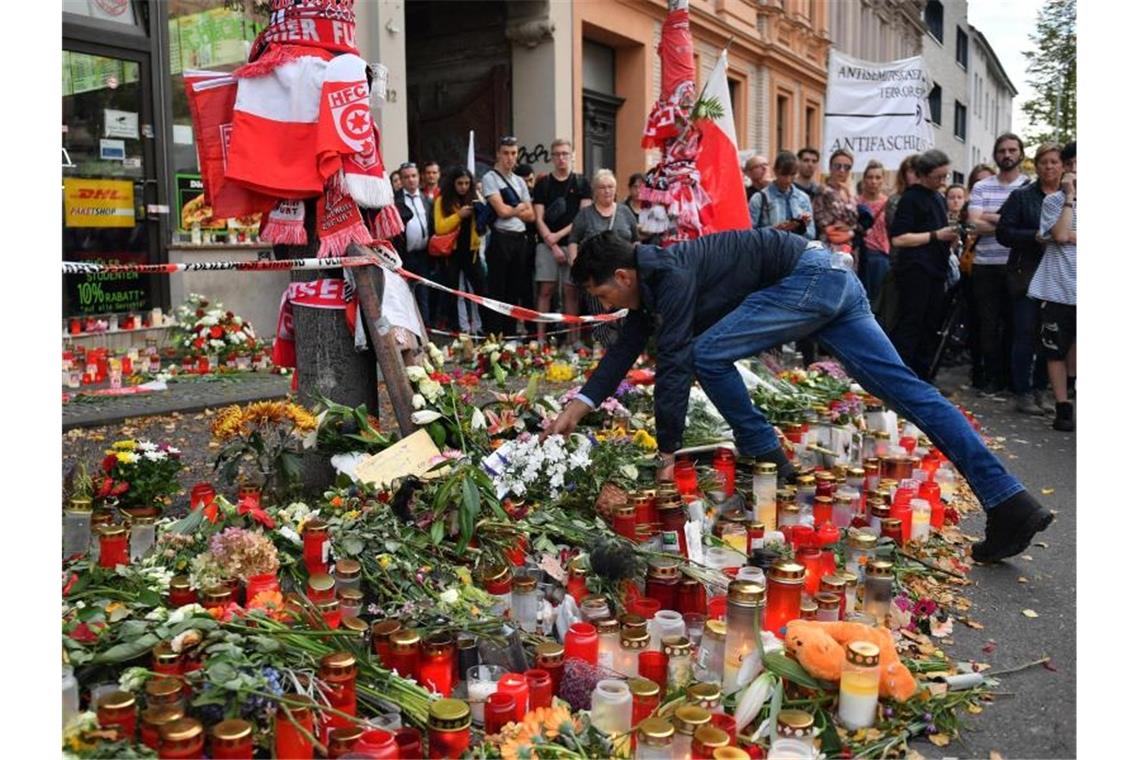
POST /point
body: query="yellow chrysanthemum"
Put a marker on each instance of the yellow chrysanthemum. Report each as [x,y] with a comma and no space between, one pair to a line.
[227,423]
[645,440]
[127,445]
[126,457]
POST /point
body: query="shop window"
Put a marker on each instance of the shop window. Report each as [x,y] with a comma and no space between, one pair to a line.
[115,11]
[204,34]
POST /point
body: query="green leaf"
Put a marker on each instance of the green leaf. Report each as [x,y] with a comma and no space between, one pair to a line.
[266,644]
[149,598]
[352,545]
[785,667]
[438,434]
[437,532]
[133,628]
[830,744]
[220,672]
[127,650]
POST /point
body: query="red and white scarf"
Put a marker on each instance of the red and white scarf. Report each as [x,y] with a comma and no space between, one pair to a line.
[326,24]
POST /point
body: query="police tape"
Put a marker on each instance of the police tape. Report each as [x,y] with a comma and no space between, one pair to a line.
[381,254]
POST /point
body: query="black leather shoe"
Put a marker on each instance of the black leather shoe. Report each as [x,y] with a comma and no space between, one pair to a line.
[1010,527]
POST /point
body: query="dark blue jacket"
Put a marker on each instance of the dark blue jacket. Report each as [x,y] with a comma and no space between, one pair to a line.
[686,289]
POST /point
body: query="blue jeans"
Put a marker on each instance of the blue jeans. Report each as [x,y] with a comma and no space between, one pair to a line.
[828,302]
[876,264]
[1027,364]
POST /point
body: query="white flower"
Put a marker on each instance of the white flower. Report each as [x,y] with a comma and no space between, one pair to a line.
[145,446]
[154,456]
[172,450]
[416,373]
[478,420]
[437,357]
[209,320]
[185,611]
[425,416]
[495,356]
[290,535]
[418,401]
[449,597]
[133,678]
[158,613]
[237,320]
[431,390]
[179,641]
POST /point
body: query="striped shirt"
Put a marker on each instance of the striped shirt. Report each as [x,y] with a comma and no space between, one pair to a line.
[988,197]
[1056,277]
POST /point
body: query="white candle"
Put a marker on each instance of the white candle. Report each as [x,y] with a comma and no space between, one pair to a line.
[477,693]
[858,698]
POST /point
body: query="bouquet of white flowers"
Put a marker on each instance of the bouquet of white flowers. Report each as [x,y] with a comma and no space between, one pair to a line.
[531,468]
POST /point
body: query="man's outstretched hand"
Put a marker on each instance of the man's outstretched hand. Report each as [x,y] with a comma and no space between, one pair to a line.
[565,423]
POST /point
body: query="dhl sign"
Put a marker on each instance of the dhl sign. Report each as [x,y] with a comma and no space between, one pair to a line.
[98,202]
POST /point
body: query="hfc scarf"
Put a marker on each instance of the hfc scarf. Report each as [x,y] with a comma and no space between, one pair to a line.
[326,24]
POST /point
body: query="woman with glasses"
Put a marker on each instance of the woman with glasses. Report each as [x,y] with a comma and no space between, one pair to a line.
[835,209]
[922,234]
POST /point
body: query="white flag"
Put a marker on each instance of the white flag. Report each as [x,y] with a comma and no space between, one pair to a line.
[471,152]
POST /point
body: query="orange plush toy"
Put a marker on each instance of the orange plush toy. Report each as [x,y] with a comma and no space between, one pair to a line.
[820,646]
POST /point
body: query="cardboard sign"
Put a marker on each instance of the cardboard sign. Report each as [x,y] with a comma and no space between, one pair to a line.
[98,202]
[413,455]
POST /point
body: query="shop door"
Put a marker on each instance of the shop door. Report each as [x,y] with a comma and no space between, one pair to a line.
[109,180]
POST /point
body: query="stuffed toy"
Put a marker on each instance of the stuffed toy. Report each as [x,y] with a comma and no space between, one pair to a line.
[820,646]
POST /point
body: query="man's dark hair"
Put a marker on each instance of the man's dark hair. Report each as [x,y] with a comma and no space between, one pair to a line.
[1008,136]
[431,163]
[1069,152]
[786,162]
[810,150]
[523,170]
[636,176]
[600,256]
[929,161]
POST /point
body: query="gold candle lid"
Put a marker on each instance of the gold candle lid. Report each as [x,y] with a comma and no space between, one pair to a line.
[233,730]
[549,653]
[657,732]
[314,525]
[524,583]
[861,539]
[880,569]
[354,624]
[786,571]
[746,594]
[643,687]
[794,723]
[704,694]
[404,640]
[321,582]
[161,715]
[607,626]
[715,629]
[449,715]
[634,639]
[440,643]
[688,718]
[632,621]
[337,664]
[344,739]
[347,568]
[351,596]
[676,646]
[862,653]
[160,687]
[765,468]
[827,601]
[730,753]
[711,737]
[116,700]
[382,629]
[181,730]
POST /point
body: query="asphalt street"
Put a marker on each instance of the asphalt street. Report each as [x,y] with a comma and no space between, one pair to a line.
[1035,714]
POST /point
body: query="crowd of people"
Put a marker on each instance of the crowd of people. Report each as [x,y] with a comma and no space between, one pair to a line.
[993,261]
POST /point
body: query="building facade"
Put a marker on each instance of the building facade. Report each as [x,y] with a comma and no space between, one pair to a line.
[946,51]
[877,30]
[991,101]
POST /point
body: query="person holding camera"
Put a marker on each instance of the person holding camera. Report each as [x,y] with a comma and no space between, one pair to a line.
[789,208]
[922,233]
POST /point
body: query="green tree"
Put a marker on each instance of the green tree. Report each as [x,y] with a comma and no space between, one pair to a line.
[1052,74]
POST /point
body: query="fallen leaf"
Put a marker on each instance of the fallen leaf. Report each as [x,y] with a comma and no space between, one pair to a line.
[974,709]
[1029,613]
[1026,557]
[1048,665]
[1047,491]
[1022,579]
[989,646]
[1042,544]
[973,624]
[939,739]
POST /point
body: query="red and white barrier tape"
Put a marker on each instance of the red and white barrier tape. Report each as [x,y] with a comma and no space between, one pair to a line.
[383,255]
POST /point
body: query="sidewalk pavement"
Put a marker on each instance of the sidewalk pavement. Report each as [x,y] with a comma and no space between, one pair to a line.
[187,396]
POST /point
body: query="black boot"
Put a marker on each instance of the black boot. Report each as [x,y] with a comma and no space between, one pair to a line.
[1063,420]
[785,472]
[1010,527]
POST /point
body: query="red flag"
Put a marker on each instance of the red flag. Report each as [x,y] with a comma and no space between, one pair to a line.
[719,163]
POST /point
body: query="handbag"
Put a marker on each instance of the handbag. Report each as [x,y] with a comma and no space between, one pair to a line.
[443,245]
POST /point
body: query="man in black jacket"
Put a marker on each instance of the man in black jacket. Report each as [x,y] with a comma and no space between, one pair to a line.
[720,298]
[1017,228]
[416,212]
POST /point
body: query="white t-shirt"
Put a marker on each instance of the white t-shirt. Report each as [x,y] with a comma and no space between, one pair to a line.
[1056,277]
[493,185]
[416,229]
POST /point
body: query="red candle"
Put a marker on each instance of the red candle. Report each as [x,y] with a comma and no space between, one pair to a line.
[550,656]
[892,528]
[437,664]
[726,723]
[625,522]
[540,687]
[785,587]
[113,548]
[691,597]
[718,606]
[685,477]
[662,582]
[288,741]
[515,684]
[646,606]
[798,535]
[644,510]
[201,494]
[646,698]
[908,442]
[582,642]
[822,510]
[315,550]
[653,665]
[165,660]
[812,560]
[183,739]
[405,653]
[381,630]
[576,581]
[673,521]
[378,745]
[932,494]
[409,742]
[338,671]
[74,327]
[256,584]
[232,740]
[203,365]
[116,710]
[180,591]
[498,711]
[516,554]
[449,729]
[724,462]
[153,719]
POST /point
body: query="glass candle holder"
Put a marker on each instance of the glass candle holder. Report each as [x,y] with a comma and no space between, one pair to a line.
[405,653]
[550,656]
[706,740]
[633,643]
[524,603]
[346,572]
[181,592]
[498,711]
[877,590]
[679,650]
[710,655]
[860,547]
[582,642]
[654,739]
[835,584]
[662,582]
[611,707]
[823,509]
[746,613]
[609,642]
[931,494]
[594,607]
[181,739]
[706,695]
[113,546]
[686,720]
[673,519]
[919,520]
[645,607]
[515,684]
[827,607]
[338,672]
[646,698]
[685,476]
[812,560]
[625,521]
[796,726]
[877,511]
[351,602]
[165,661]
[381,631]
[846,507]
[859,686]
[343,741]
[321,587]
[893,529]
[409,742]
[653,665]
[77,527]
[764,484]
[153,719]
[665,623]
[449,729]
[482,682]
[540,688]
[315,548]
[497,583]
[287,740]
[785,586]
[379,744]
[724,463]
[231,740]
